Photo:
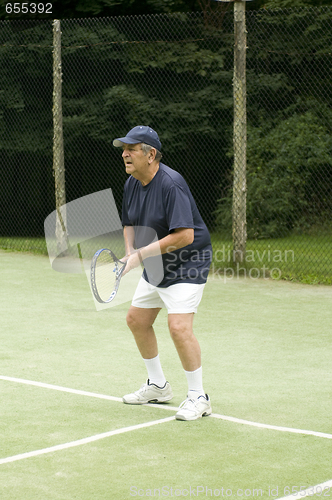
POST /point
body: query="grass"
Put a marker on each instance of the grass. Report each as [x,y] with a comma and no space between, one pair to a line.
[305,259]
[266,358]
[300,258]
[35,245]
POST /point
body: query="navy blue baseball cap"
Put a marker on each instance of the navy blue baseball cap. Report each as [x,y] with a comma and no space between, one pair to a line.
[139,134]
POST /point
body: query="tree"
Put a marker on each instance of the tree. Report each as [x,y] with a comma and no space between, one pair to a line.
[172,72]
[289,115]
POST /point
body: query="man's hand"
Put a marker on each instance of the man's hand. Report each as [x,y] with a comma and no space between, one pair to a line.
[133,260]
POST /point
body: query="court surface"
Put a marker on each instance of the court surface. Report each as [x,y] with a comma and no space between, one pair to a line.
[65,434]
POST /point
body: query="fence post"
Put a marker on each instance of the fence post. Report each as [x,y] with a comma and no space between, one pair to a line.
[240,133]
[58,154]
[239,209]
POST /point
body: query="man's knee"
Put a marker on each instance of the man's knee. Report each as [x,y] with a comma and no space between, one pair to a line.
[141,318]
[180,330]
[132,320]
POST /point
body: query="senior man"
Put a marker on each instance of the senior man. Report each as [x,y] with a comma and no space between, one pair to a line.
[157,197]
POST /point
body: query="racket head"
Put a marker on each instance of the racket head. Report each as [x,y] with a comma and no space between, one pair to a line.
[106,272]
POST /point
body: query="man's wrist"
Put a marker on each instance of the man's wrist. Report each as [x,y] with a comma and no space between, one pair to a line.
[140,256]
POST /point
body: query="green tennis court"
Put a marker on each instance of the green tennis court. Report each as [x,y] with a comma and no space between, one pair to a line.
[64,367]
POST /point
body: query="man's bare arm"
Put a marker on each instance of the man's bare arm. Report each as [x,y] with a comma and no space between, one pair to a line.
[129,238]
[180,238]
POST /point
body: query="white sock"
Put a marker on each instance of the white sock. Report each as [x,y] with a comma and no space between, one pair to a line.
[195,383]
[155,371]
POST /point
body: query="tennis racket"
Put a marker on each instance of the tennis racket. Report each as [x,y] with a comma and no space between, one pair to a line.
[106,272]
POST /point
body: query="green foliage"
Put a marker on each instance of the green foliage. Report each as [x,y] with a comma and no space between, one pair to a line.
[293,4]
[187,107]
[283,165]
[25,88]
[289,124]
[175,72]
[286,158]
[285,4]
[308,279]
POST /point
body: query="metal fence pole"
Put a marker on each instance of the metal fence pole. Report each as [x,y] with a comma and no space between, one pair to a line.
[58,154]
[240,133]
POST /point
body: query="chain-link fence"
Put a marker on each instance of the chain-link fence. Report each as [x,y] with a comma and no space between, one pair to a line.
[175,73]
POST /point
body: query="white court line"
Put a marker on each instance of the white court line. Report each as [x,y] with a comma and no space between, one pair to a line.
[312,490]
[172,408]
[318,489]
[273,427]
[59,388]
[80,442]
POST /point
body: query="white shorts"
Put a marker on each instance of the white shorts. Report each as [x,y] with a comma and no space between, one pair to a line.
[180,298]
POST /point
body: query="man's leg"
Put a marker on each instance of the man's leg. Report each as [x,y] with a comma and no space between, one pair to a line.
[140,322]
[197,403]
[187,346]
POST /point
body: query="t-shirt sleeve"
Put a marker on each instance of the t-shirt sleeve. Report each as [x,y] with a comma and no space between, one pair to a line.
[178,209]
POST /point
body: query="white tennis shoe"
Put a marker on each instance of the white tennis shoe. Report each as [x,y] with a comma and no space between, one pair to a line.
[149,393]
[192,409]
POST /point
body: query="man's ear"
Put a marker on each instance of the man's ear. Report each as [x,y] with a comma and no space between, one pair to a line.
[152,155]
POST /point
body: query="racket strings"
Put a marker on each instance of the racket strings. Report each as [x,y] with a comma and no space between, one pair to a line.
[106,274]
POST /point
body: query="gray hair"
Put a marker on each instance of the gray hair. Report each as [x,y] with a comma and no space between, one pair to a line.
[146,148]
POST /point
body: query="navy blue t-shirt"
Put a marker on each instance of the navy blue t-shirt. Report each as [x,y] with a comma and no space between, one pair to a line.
[165,204]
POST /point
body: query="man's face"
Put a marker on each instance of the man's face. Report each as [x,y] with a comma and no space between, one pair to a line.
[135,161]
